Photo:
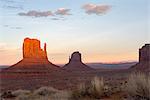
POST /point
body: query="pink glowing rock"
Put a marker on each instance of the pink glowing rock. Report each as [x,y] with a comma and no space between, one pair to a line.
[32,49]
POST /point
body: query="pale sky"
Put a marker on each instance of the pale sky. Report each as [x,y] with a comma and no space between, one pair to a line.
[102,30]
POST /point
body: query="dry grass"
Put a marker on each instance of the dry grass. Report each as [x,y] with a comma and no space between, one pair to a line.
[21,92]
[138,86]
[95,90]
[97,87]
[43,93]
[63,95]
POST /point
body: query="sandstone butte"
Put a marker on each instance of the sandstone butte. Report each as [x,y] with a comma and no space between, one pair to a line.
[144,59]
[32,49]
[75,63]
[34,58]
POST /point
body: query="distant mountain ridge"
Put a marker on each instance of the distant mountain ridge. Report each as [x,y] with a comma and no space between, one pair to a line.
[3,66]
[121,65]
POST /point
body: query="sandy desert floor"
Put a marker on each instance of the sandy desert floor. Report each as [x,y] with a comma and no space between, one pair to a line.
[64,80]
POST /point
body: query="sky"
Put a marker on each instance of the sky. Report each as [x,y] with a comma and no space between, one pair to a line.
[102,30]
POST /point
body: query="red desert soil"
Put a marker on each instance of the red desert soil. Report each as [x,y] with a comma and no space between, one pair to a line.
[57,79]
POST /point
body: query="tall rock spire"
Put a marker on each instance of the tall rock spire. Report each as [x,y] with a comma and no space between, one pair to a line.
[45,50]
[45,47]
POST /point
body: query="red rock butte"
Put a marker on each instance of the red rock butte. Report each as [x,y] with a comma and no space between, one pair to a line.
[32,49]
[144,59]
[144,53]
[34,58]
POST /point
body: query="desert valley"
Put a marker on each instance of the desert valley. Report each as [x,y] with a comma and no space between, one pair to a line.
[36,78]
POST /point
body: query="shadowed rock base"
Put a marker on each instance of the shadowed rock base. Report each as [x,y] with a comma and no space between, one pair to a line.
[32,65]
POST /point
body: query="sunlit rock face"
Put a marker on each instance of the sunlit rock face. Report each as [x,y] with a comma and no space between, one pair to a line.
[144,59]
[32,49]
[76,64]
[34,58]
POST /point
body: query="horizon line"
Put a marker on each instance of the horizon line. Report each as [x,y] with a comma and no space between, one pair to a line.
[119,62]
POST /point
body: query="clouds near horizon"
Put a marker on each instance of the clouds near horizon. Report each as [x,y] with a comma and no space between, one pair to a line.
[98,9]
[12,7]
[62,11]
[34,13]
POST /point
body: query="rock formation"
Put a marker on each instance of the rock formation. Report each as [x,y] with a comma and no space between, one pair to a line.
[75,57]
[144,59]
[34,58]
[76,64]
[144,54]
[32,49]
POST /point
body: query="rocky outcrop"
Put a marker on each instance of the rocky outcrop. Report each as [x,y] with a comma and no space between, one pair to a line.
[144,54]
[76,64]
[144,59]
[34,58]
[32,49]
[75,57]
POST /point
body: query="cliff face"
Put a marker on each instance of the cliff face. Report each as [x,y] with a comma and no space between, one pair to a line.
[144,59]
[32,49]
[144,54]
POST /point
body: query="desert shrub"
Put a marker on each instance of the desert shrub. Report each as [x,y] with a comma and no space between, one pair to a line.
[7,94]
[43,91]
[80,92]
[21,92]
[96,89]
[22,97]
[62,95]
[138,86]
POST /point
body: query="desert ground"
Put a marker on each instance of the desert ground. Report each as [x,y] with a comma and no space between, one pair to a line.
[116,80]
